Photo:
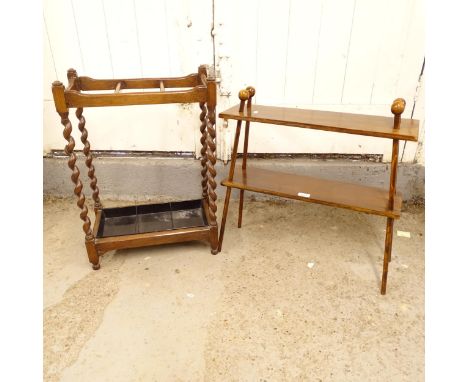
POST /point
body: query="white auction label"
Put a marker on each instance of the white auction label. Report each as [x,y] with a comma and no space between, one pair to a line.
[303,194]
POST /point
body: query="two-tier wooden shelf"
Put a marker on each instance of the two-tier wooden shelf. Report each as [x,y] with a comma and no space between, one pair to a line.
[150,224]
[355,197]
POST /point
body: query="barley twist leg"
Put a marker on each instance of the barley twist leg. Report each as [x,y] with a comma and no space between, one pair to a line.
[203,149]
[211,173]
[75,177]
[89,158]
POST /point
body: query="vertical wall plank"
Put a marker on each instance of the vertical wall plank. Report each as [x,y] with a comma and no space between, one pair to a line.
[396,24]
[337,18]
[189,27]
[364,47]
[272,44]
[50,74]
[152,36]
[304,31]
[419,113]
[92,34]
[175,18]
[58,16]
[190,45]
[63,45]
[413,53]
[236,58]
[199,27]
[122,36]
[414,151]
[236,44]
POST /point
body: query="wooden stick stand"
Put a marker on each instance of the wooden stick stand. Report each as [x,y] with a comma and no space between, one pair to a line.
[142,225]
[355,197]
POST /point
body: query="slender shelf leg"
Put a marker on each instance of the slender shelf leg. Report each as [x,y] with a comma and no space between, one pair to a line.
[223,220]
[243,96]
[387,254]
[244,166]
[398,107]
[241,207]
[251,91]
[228,190]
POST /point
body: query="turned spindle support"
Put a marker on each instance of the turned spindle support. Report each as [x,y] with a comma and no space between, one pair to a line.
[244,95]
[251,91]
[398,107]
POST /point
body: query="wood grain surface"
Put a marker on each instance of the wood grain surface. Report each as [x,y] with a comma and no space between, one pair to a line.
[360,124]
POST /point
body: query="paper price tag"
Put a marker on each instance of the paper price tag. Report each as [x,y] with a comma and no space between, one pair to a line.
[303,194]
[404,234]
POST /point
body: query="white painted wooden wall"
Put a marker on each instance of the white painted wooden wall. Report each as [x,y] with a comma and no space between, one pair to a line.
[339,55]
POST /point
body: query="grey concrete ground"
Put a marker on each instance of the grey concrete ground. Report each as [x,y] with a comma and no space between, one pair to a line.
[294,296]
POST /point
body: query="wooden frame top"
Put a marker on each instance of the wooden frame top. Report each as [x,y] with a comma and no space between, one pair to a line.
[360,124]
[192,88]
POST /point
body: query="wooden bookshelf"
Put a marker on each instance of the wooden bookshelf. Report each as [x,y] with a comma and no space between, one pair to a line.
[354,197]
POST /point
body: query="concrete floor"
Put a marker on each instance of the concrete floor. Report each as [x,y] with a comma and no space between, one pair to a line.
[254,312]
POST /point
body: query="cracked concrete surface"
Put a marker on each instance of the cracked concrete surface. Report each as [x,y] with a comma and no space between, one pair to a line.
[293,296]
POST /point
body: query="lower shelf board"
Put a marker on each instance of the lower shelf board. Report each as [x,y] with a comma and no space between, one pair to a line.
[355,197]
[140,225]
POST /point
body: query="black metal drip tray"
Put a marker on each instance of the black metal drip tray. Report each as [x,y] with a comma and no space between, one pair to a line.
[151,218]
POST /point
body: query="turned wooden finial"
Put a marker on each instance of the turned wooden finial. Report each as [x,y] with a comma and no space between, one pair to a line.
[244,95]
[251,91]
[71,73]
[398,107]
[57,84]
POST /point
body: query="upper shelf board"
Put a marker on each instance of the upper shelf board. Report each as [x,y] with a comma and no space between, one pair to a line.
[360,124]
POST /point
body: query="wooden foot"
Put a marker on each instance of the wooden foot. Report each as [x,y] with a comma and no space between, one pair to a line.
[241,207]
[387,254]
[93,255]
[223,220]
[214,239]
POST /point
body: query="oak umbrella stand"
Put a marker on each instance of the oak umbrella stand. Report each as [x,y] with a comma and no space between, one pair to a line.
[142,225]
[355,197]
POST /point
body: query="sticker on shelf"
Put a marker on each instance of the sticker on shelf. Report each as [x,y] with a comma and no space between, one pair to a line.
[404,234]
[303,194]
